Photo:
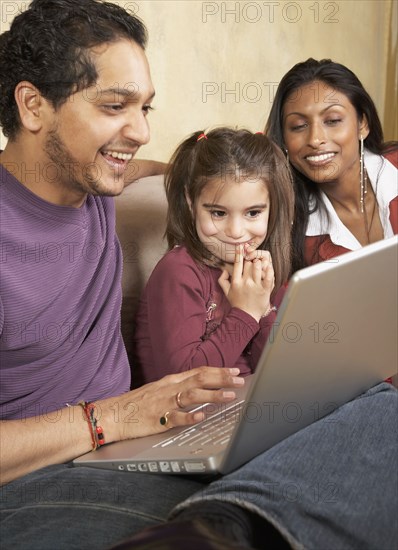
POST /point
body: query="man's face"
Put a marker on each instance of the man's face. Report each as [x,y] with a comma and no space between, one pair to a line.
[91,138]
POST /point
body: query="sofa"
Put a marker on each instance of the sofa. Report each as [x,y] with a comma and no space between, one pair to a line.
[140,224]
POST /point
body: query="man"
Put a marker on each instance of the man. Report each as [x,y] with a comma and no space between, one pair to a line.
[75,95]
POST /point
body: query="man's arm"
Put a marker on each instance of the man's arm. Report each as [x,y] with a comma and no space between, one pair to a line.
[142,168]
[60,436]
[32,443]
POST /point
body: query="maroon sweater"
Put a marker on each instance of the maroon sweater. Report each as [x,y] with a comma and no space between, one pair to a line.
[184,321]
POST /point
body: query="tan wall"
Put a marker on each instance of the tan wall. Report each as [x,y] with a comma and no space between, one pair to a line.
[219,62]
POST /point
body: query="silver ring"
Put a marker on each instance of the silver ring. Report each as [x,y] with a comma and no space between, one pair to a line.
[178,399]
[164,420]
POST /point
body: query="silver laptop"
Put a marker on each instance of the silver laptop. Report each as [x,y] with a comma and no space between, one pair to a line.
[335,336]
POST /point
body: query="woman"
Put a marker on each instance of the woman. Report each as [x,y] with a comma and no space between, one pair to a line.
[345,176]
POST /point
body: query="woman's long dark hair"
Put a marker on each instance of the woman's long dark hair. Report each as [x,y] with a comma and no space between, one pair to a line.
[340,78]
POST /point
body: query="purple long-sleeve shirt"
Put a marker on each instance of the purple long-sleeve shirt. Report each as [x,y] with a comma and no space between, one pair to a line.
[184,321]
[60,299]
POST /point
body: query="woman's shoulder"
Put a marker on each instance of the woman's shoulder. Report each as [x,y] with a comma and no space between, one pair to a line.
[392,156]
[382,169]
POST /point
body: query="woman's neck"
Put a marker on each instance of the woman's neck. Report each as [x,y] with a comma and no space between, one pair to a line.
[362,220]
[345,192]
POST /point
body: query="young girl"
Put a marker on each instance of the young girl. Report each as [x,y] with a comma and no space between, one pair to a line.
[212,299]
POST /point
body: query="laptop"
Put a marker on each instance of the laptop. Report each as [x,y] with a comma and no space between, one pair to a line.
[334,337]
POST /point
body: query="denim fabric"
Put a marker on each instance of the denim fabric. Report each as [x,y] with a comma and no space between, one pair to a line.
[330,486]
[66,508]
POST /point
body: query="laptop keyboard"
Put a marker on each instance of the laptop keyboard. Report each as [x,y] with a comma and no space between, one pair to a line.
[215,430]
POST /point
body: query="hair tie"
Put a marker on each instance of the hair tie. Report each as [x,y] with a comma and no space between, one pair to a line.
[202,136]
[262,133]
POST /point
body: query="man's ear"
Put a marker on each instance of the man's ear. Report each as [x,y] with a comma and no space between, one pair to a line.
[30,104]
[363,129]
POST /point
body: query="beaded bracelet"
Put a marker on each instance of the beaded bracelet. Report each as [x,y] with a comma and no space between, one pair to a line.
[96,432]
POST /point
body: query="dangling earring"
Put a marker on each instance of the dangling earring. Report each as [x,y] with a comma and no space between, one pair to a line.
[287,155]
[363,178]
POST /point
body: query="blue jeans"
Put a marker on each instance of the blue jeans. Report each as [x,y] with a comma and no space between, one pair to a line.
[331,486]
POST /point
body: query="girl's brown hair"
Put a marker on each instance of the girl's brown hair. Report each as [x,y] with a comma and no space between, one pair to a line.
[224,153]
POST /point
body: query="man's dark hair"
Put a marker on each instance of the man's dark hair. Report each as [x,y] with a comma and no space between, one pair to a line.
[49,46]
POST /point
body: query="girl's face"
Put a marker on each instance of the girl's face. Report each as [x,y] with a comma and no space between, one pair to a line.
[229,212]
[321,132]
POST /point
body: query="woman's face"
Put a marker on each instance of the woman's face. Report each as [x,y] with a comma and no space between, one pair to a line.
[321,133]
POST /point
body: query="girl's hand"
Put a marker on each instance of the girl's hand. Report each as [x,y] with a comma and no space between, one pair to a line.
[251,283]
[252,253]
